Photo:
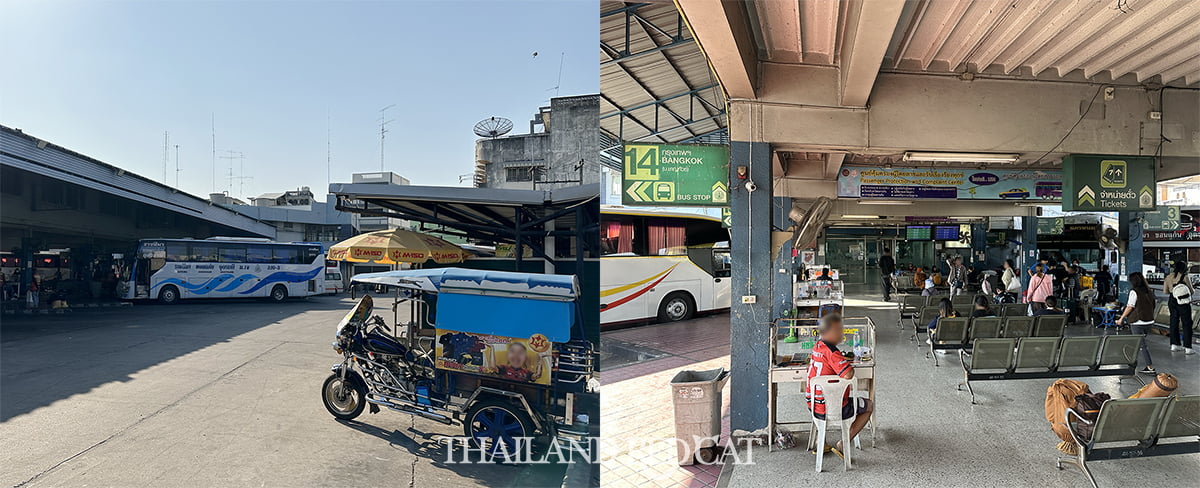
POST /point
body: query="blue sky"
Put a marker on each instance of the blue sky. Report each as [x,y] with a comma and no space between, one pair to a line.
[107,78]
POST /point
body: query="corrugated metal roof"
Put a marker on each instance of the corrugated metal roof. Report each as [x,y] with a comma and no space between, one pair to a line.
[1142,40]
[655,84]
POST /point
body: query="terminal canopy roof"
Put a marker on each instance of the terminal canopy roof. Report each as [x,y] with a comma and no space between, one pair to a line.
[524,217]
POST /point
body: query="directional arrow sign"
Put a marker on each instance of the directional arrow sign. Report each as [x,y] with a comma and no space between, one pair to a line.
[1165,218]
[636,191]
[1086,195]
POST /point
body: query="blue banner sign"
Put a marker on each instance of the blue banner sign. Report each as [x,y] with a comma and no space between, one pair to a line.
[947,184]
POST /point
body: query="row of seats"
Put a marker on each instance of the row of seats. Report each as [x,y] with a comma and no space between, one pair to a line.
[1159,426]
[1050,357]
[961,332]
[911,305]
[1162,315]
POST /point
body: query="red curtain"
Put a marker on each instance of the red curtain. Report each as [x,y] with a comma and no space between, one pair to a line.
[667,238]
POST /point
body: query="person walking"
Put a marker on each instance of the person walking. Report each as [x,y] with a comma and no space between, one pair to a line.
[887,266]
[33,297]
[1179,296]
[1041,285]
[957,276]
[1141,306]
[1010,280]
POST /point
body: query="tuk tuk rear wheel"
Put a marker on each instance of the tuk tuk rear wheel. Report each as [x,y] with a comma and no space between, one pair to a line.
[344,399]
[500,427]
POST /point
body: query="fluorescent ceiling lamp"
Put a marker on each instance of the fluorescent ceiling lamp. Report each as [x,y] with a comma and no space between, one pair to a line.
[864,217]
[957,157]
[1034,204]
[885,202]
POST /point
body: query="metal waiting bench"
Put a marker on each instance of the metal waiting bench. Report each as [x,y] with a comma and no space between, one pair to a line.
[909,306]
[961,332]
[1136,427]
[1049,357]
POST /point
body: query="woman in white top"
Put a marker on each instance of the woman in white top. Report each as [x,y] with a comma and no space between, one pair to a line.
[1181,313]
[1141,306]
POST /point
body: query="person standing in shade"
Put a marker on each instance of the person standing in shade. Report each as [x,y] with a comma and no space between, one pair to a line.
[34,299]
[1141,307]
[1041,285]
[887,266]
[1179,294]
[957,276]
[1103,283]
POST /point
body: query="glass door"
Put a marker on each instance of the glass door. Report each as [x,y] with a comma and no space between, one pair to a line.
[849,257]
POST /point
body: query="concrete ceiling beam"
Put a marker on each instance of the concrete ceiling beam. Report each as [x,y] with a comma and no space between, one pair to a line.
[868,33]
[722,30]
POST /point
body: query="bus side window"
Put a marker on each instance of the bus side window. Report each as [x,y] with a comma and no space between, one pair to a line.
[177,251]
[285,255]
[232,253]
[258,254]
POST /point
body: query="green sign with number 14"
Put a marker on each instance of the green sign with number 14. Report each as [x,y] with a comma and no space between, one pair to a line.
[675,175]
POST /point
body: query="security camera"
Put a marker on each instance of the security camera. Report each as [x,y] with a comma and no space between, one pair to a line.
[750,186]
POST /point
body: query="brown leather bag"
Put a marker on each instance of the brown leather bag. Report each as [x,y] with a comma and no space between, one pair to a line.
[1088,406]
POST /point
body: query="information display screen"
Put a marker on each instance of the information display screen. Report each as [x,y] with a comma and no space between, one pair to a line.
[919,232]
[945,233]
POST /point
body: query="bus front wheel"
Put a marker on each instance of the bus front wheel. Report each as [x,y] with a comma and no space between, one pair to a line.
[279,293]
[168,295]
[676,307]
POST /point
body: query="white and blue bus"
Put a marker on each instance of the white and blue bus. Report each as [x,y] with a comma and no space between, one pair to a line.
[170,270]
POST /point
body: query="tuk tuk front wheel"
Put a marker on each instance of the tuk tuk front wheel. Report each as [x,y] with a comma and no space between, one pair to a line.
[499,427]
[346,398]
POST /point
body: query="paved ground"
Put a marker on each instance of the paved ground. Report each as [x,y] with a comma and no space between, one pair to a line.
[636,411]
[930,434]
[205,394]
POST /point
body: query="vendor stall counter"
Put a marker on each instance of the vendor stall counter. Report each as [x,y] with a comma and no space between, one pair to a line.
[792,341]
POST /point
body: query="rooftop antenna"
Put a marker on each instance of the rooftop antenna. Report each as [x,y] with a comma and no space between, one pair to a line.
[177,166]
[383,122]
[328,153]
[232,155]
[214,151]
[166,154]
[558,82]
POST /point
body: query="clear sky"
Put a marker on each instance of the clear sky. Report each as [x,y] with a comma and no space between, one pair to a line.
[107,78]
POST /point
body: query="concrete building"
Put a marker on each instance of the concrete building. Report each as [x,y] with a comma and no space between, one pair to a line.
[368,223]
[561,149]
[313,221]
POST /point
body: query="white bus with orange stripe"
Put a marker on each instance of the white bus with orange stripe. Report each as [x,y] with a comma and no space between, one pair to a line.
[661,266]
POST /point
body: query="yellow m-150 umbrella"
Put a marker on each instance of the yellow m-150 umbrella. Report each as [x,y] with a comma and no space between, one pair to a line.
[396,246]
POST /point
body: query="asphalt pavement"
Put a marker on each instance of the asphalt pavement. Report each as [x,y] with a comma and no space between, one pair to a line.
[206,393]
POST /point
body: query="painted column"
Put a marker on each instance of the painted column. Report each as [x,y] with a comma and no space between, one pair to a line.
[750,242]
[1129,227]
[1029,250]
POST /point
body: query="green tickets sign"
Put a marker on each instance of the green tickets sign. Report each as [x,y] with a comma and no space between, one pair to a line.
[1108,183]
[675,175]
[1165,218]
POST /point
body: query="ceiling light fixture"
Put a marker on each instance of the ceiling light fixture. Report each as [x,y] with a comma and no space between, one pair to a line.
[884,202]
[862,217]
[960,157]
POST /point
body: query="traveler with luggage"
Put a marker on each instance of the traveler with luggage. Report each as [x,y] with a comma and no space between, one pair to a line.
[1179,297]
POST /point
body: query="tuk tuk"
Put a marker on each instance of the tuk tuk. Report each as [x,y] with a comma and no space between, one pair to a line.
[503,354]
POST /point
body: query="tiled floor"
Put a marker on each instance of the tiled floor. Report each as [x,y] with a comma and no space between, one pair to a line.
[637,415]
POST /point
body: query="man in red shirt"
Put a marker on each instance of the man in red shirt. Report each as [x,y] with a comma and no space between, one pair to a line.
[827,360]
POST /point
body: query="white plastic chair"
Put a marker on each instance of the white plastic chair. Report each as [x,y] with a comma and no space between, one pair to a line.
[833,389]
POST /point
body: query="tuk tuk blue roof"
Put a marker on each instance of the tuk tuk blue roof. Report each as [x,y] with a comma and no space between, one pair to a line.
[474,281]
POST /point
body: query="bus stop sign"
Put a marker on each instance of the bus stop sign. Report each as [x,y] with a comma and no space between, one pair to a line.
[676,175]
[1108,183]
[1165,218]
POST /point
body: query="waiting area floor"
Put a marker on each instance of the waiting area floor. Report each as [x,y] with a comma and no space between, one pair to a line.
[930,433]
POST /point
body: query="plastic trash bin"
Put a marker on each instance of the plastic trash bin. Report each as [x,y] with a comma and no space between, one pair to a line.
[697,399]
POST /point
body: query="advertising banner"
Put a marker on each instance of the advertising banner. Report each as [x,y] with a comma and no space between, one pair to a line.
[676,175]
[949,183]
[515,359]
[1108,183]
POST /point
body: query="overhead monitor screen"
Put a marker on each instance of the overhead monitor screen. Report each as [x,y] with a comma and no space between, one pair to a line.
[919,233]
[945,233]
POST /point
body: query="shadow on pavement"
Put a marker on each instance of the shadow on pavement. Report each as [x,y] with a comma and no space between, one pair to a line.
[44,359]
[433,446]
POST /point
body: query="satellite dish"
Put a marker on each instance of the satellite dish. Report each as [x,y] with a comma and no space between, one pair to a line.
[493,127]
[809,223]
